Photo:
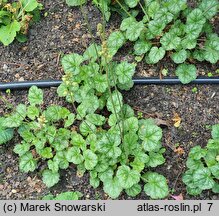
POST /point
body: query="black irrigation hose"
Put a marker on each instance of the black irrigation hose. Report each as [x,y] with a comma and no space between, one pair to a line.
[142,81]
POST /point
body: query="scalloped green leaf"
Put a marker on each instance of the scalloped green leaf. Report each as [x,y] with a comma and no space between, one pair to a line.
[115,42]
[71,63]
[170,41]
[90,159]
[155,159]
[199,55]
[125,71]
[130,142]
[215,188]
[96,119]
[134,190]
[209,8]
[156,27]
[70,120]
[92,52]
[132,27]
[87,128]
[156,186]
[74,155]
[27,162]
[32,112]
[131,124]
[186,73]
[112,187]
[22,148]
[46,153]
[151,136]
[114,102]
[215,170]
[211,51]
[53,165]
[196,153]
[155,55]
[141,47]
[202,179]
[100,83]
[35,96]
[50,178]
[179,57]
[127,177]
[153,7]
[6,135]
[69,196]
[175,6]
[196,17]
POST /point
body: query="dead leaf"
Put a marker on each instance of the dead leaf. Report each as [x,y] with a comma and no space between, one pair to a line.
[177,197]
[161,122]
[177,120]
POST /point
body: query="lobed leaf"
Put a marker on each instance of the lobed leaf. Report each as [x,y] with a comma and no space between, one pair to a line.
[186,73]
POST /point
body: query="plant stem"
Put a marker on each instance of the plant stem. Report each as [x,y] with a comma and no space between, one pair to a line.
[111,98]
[144,11]
[90,31]
[9,105]
[120,104]
[209,8]
[108,83]
[124,8]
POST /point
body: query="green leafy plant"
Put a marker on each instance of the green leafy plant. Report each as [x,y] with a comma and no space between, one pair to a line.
[15,19]
[6,134]
[168,28]
[42,136]
[64,196]
[107,140]
[103,5]
[162,31]
[203,166]
[118,146]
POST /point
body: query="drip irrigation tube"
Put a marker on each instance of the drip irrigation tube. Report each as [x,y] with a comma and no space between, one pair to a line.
[138,81]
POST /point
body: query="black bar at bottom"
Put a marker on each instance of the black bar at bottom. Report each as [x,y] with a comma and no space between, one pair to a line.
[137,81]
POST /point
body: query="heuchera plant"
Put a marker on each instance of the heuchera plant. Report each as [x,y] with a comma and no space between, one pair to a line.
[203,166]
[15,19]
[168,28]
[118,146]
[102,136]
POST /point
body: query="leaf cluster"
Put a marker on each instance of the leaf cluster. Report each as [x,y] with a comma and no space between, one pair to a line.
[117,146]
[101,135]
[169,28]
[203,166]
[15,19]
[173,28]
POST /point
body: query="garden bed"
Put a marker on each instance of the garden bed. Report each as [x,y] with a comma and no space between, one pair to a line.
[63,31]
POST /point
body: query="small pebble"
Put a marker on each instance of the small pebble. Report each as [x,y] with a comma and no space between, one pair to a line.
[21,79]
[153,109]
[5,67]
[14,191]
